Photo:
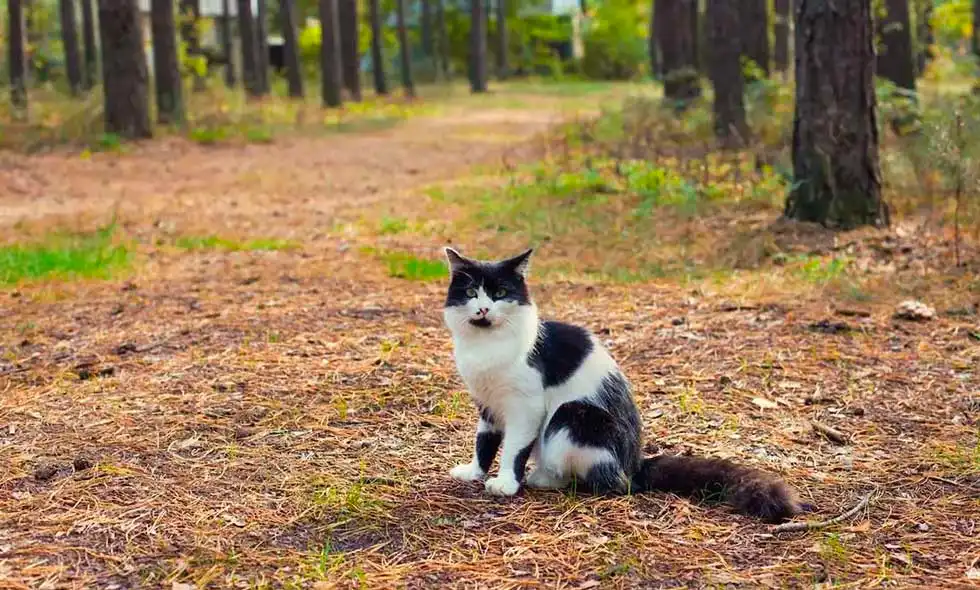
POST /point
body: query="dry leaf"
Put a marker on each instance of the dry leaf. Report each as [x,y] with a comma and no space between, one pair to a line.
[764,403]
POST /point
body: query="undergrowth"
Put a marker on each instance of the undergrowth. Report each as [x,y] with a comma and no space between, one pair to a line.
[95,254]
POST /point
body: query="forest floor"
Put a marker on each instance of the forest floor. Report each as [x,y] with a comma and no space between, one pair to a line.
[262,393]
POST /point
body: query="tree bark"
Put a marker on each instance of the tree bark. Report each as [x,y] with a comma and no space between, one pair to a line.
[250,54]
[294,74]
[441,41]
[781,21]
[91,70]
[405,49]
[226,43]
[672,21]
[696,33]
[349,53]
[16,60]
[837,179]
[428,47]
[262,45]
[330,54]
[895,60]
[69,38]
[478,46]
[976,28]
[926,37]
[166,67]
[755,33]
[190,16]
[502,69]
[377,55]
[726,73]
[124,76]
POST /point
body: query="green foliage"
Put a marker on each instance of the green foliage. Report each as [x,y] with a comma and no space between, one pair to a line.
[952,21]
[615,41]
[402,265]
[91,255]
[214,242]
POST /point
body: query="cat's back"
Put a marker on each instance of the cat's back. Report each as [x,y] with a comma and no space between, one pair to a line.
[563,351]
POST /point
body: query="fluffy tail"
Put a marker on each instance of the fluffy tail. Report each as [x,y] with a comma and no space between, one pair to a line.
[751,491]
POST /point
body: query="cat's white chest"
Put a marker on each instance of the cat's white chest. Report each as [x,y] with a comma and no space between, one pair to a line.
[494,374]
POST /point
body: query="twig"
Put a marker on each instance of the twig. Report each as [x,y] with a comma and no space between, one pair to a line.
[790,527]
[831,433]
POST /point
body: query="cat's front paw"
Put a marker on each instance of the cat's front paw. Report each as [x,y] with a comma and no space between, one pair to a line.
[502,486]
[466,472]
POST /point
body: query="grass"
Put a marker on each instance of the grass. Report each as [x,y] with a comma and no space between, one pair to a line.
[403,265]
[213,242]
[65,256]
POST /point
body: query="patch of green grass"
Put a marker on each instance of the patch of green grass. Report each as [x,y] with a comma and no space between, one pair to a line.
[814,269]
[87,255]
[833,549]
[392,225]
[214,242]
[402,265]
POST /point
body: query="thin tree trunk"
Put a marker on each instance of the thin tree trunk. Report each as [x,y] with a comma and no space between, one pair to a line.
[250,54]
[190,16]
[166,68]
[672,20]
[837,179]
[895,60]
[349,41]
[226,43]
[16,60]
[294,74]
[478,46]
[125,83]
[441,40]
[330,54]
[502,71]
[726,73]
[780,25]
[262,44]
[69,38]
[88,40]
[405,49]
[755,33]
[377,55]
[696,33]
[976,28]
[426,28]
[926,37]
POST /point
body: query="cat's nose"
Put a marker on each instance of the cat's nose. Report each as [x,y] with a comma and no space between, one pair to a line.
[484,310]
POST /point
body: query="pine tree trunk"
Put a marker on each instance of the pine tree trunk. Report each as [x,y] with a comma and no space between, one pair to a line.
[294,74]
[726,73]
[478,46]
[125,83]
[755,33]
[781,21]
[262,45]
[250,54]
[895,60]
[502,69]
[16,60]
[330,54]
[672,20]
[166,68]
[441,41]
[696,33]
[405,49]
[91,70]
[926,37]
[976,28]
[190,15]
[837,179]
[377,45]
[226,43]
[428,47]
[349,41]
[69,38]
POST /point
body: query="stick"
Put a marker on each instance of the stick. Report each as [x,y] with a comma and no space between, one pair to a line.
[831,433]
[790,527]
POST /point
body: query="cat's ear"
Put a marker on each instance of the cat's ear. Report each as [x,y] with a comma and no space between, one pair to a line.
[457,261]
[521,264]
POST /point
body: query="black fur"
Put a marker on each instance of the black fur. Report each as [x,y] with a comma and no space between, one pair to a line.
[487,444]
[559,351]
[492,276]
[520,461]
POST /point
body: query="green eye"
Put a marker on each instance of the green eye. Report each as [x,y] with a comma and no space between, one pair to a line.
[471,292]
[500,293]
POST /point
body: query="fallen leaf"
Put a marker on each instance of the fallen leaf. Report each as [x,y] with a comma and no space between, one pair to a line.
[586,585]
[764,403]
[862,527]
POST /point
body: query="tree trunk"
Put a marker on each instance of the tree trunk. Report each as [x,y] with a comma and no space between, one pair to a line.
[837,179]
[16,60]
[696,33]
[441,40]
[226,43]
[726,73]
[250,54]
[926,37]
[190,15]
[672,20]
[124,76]
[330,54]
[406,50]
[166,68]
[781,21]
[976,28]
[294,74]
[69,37]
[428,47]
[377,55]
[895,61]
[502,71]
[478,46]
[755,33]
[653,45]
[349,41]
[91,68]
[262,44]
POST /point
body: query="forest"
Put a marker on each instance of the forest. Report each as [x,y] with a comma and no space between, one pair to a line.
[224,354]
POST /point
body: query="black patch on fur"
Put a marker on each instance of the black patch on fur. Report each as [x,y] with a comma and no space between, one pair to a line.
[606,478]
[487,416]
[492,276]
[487,444]
[559,351]
[520,461]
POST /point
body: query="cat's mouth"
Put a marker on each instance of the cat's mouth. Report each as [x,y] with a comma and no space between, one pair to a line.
[481,323]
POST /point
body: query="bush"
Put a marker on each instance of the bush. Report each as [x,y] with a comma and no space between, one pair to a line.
[615,42]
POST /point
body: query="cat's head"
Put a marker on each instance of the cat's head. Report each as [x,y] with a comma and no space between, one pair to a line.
[485,295]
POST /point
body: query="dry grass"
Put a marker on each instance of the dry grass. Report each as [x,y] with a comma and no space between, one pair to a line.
[288,418]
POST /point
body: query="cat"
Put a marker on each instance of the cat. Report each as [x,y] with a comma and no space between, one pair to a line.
[551,391]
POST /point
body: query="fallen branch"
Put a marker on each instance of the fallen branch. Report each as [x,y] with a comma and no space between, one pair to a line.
[790,527]
[831,433]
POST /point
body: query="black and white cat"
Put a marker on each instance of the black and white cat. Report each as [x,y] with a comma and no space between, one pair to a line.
[550,391]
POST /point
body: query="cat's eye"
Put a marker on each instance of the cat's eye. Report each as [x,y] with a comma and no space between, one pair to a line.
[500,293]
[471,292]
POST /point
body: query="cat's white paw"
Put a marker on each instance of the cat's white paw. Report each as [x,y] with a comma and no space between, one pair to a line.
[542,480]
[467,472]
[502,486]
